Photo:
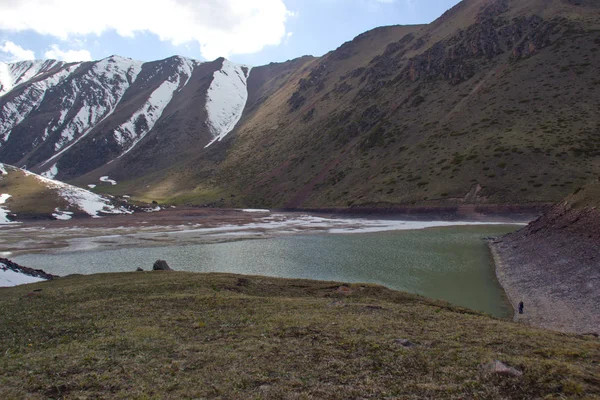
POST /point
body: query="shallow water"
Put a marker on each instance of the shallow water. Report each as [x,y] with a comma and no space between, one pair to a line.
[451,264]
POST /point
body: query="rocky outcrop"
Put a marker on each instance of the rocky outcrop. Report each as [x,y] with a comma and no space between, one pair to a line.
[37,273]
[161,265]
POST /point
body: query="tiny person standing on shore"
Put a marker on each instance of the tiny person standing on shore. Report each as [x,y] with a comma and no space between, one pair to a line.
[521,306]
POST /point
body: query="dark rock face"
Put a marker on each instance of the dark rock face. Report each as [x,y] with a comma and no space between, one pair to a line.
[38,273]
[161,265]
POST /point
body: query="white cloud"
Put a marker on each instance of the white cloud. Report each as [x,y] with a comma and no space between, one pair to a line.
[221,27]
[15,52]
[69,56]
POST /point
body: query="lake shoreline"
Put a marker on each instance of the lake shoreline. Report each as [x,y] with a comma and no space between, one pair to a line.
[509,291]
[450,263]
[167,216]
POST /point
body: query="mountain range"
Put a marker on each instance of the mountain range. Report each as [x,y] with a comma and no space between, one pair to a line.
[495,102]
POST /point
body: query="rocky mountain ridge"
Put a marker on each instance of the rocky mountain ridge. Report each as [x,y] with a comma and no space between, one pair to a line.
[64,120]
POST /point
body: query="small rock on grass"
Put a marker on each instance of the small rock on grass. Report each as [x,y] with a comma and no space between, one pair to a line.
[140,269]
[404,343]
[344,289]
[499,368]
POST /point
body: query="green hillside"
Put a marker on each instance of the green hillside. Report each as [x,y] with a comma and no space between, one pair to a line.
[183,335]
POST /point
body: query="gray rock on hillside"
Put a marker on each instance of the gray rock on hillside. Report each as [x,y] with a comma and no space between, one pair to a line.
[161,265]
[498,367]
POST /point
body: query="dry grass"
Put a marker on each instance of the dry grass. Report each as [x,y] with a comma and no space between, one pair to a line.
[183,335]
[30,197]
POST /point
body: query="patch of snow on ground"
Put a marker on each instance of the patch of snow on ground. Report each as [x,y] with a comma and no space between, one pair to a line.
[255,210]
[9,278]
[3,170]
[89,202]
[62,215]
[107,180]
[226,99]
[4,211]
[284,224]
[92,186]
[51,173]
[84,200]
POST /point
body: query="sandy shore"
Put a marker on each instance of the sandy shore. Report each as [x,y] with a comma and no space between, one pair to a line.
[554,269]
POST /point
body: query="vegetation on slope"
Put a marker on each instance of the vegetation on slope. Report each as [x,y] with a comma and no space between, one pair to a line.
[183,335]
[495,102]
[585,197]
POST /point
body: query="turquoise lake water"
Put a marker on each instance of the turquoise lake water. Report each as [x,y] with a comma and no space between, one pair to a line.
[452,263]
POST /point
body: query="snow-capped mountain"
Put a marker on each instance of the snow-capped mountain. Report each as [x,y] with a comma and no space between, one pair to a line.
[64,120]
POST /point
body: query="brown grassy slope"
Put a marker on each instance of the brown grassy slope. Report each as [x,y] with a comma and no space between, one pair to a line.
[553,265]
[30,197]
[183,335]
[495,102]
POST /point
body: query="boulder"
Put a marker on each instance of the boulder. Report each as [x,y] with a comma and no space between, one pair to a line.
[140,269]
[499,368]
[161,265]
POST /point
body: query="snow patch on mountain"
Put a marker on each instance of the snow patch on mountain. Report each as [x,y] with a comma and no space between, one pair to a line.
[62,215]
[81,199]
[106,179]
[3,210]
[226,99]
[98,93]
[131,132]
[6,80]
[13,112]
[51,173]
[14,74]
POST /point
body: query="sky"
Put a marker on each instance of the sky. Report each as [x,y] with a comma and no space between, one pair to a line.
[252,32]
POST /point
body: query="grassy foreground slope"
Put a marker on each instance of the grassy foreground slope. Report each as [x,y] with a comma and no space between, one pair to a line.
[184,335]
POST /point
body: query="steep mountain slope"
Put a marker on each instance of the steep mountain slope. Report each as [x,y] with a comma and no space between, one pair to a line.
[552,265]
[26,195]
[493,103]
[66,120]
